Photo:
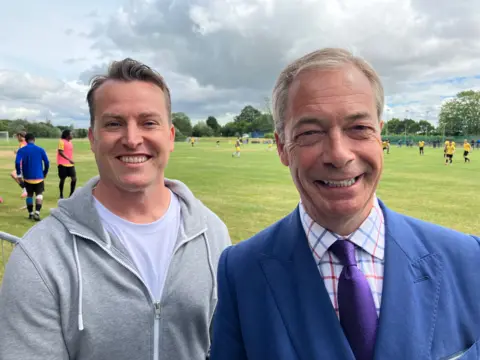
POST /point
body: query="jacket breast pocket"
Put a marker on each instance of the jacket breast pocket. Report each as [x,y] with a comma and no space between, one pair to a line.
[472,353]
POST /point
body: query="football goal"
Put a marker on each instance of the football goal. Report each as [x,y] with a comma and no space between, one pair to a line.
[4,136]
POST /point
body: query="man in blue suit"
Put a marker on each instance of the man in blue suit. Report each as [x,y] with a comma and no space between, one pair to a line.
[343,277]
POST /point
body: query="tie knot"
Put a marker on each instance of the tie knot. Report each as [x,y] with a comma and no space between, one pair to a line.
[344,250]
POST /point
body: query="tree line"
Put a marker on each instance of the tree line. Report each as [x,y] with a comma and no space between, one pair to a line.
[250,120]
[458,117]
[42,129]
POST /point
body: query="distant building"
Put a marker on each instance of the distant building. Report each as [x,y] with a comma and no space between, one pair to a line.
[258,134]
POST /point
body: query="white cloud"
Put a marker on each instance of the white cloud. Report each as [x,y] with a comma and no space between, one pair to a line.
[34,97]
[18,112]
[219,55]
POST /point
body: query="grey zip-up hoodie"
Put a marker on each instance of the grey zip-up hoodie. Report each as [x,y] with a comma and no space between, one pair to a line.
[71,290]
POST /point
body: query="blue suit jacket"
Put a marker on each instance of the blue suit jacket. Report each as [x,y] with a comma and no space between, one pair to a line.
[273,304]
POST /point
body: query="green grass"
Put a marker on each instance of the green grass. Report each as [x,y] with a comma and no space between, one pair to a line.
[253,191]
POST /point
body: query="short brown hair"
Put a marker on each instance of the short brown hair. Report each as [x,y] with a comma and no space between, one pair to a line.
[128,70]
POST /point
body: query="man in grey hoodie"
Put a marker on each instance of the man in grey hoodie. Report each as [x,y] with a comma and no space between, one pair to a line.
[125,268]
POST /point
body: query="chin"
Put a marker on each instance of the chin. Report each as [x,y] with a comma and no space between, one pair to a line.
[339,208]
[133,184]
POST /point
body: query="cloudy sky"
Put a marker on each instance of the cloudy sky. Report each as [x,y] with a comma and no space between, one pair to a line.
[219,55]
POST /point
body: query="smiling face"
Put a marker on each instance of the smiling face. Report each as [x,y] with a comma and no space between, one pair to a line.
[132,138]
[332,145]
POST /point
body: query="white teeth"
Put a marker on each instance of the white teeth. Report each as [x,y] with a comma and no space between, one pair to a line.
[343,183]
[133,159]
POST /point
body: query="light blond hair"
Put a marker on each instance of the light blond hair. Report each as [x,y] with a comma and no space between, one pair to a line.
[326,58]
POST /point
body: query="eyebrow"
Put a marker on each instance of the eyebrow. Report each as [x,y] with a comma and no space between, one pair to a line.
[361,115]
[309,121]
[141,115]
[111,115]
[149,114]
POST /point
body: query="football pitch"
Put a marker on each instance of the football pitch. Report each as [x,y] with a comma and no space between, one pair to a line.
[255,190]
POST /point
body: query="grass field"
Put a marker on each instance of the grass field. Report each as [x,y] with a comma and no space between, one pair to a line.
[255,190]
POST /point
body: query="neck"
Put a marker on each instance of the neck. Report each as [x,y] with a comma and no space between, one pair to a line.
[141,207]
[344,225]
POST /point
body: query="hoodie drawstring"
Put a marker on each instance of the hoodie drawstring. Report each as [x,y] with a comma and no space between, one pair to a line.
[210,265]
[80,284]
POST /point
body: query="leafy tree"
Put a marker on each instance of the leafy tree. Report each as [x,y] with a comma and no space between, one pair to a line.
[182,122]
[425,127]
[245,120]
[201,129]
[248,115]
[410,126]
[229,129]
[394,126]
[263,123]
[80,133]
[179,136]
[461,115]
[213,123]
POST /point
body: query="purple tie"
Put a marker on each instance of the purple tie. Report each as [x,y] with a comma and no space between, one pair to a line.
[358,315]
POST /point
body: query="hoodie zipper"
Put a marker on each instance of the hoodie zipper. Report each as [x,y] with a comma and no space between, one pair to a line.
[155,304]
[156,330]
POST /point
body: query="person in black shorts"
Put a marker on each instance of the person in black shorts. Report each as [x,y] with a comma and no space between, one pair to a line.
[34,168]
[63,173]
[66,165]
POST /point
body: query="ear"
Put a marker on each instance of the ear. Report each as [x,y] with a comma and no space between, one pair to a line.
[172,137]
[381,125]
[91,138]
[281,150]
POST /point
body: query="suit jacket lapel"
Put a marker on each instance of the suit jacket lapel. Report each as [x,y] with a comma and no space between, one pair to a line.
[301,296]
[411,288]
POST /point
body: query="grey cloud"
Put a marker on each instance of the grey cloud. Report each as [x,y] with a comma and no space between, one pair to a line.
[87,75]
[219,55]
[235,51]
[69,32]
[71,61]
[92,14]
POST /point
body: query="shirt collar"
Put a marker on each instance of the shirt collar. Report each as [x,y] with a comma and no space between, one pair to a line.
[370,236]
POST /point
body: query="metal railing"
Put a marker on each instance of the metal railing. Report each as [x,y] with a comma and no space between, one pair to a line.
[10,239]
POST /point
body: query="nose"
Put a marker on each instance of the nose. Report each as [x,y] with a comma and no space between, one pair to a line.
[133,136]
[337,152]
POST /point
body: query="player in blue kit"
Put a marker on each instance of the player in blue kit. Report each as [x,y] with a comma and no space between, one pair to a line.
[34,166]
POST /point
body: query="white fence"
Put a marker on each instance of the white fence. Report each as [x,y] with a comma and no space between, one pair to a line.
[9,238]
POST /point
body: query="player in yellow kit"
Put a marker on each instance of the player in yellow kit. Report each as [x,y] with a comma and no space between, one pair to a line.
[386,146]
[447,142]
[237,149]
[421,145]
[466,150]
[449,151]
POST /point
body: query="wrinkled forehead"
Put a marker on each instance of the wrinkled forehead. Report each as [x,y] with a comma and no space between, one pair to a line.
[337,91]
[335,81]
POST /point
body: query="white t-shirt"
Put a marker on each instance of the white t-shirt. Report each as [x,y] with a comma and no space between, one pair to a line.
[150,245]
